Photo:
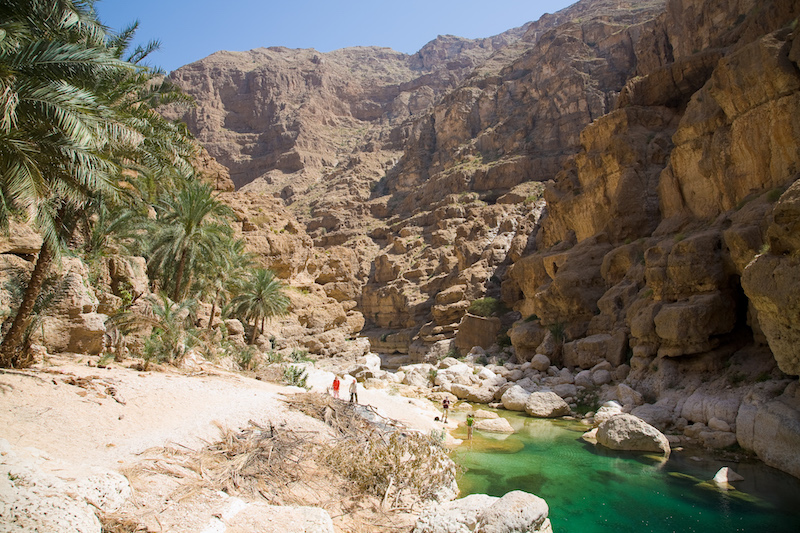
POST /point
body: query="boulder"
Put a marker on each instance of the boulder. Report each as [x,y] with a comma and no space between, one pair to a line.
[515,398]
[484,414]
[486,374]
[590,436]
[584,379]
[477,331]
[447,362]
[234,327]
[525,337]
[540,362]
[717,439]
[606,411]
[660,414]
[566,390]
[494,425]
[715,424]
[628,396]
[601,377]
[517,511]
[417,376]
[589,351]
[459,373]
[457,516]
[529,384]
[546,405]
[21,239]
[81,333]
[476,394]
[704,405]
[726,475]
[482,394]
[631,433]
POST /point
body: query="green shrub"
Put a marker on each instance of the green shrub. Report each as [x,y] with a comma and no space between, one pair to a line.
[300,356]
[763,376]
[559,332]
[294,376]
[774,195]
[246,358]
[503,340]
[487,307]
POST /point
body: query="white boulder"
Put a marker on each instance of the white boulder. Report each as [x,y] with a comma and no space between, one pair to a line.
[457,516]
[631,433]
[727,475]
[515,512]
[546,405]
[515,398]
[606,411]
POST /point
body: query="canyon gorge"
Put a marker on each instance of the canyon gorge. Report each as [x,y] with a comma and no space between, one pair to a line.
[620,177]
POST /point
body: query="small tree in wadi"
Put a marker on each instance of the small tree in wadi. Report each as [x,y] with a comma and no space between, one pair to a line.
[262,296]
[169,324]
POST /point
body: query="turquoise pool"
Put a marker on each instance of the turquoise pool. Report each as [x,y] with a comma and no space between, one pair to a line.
[590,489]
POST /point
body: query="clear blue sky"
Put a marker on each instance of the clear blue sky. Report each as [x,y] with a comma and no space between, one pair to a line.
[191,30]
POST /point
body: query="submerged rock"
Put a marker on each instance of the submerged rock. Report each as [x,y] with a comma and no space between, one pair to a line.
[726,475]
[494,425]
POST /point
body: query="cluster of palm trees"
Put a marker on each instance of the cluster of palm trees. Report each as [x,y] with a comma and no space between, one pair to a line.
[82,148]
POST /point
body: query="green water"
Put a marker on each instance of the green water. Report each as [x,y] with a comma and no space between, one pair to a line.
[590,489]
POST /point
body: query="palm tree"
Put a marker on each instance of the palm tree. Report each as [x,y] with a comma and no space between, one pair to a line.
[72,114]
[190,226]
[262,296]
[53,134]
[222,273]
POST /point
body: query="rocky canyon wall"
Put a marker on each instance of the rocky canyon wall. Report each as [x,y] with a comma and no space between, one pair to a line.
[620,175]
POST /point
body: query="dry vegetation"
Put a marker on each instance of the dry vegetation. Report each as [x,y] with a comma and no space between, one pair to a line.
[367,472]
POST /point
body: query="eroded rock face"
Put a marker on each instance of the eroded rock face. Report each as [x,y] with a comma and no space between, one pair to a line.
[771,282]
[768,423]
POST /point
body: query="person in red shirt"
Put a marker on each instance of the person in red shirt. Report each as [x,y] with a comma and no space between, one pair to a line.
[336,384]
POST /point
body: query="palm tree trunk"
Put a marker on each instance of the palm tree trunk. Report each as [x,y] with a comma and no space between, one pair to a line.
[213,310]
[255,331]
[176,293]
[11,350]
